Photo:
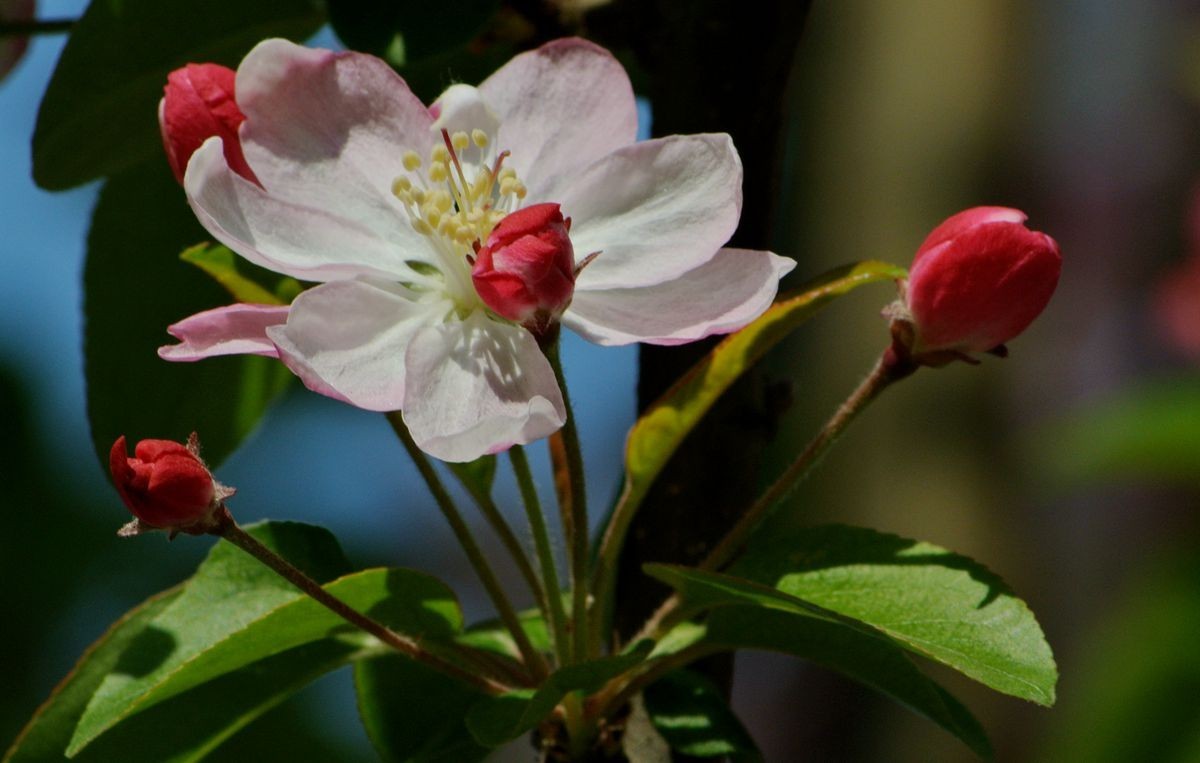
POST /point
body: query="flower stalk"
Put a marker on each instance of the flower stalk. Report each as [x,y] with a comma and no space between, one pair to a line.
[552,605]
[576,524]
[504,608]
[35,27]
[225,527]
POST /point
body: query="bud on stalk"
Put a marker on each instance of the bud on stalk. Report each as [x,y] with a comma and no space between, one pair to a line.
[166,486]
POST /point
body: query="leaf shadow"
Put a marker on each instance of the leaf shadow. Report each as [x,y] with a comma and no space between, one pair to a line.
[146,652]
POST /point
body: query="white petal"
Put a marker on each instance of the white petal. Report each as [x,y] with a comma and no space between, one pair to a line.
[461,107]
[329,130]
[654,210]
[720,296]
[238,329]
[306,242]
[347,339]
[560,107]
[478,387]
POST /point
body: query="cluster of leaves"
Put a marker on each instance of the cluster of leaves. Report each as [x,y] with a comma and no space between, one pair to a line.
[185,670]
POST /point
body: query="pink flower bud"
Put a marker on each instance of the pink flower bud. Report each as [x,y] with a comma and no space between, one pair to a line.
[12,47]
[977,281]
[198,103]
[165,484]
[526,271]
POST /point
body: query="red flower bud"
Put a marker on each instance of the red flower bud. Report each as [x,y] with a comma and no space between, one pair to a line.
[197,104]
[977,281]
[12,47]
[526,271]
[166,485]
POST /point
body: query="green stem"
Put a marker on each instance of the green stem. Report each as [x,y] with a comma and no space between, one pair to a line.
[509,539]
[228,529]
[577,527]
[508,615]
[885,372]
[35,27]
[553,606]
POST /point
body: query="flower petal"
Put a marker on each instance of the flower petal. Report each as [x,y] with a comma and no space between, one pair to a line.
[561,107]
[964,221]
[329,130]
[654,210]
[720,296]
[477,387]
[347,339]
[239,329]
[305,242]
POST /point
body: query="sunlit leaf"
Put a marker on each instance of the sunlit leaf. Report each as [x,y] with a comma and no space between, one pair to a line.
[221,264]
[934,602]
[99,114]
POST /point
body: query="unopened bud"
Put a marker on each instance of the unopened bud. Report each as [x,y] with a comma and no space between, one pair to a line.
[526,270]
[978,280]
[166,486]
[198,103]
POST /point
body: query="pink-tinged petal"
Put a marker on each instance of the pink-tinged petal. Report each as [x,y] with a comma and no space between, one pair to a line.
[347,339]
[960,223]
[306,242]
[654,210]
[239,329]
[329,130]
[720,296]
[477,387]
[982,288]
[13,47]
[561,107]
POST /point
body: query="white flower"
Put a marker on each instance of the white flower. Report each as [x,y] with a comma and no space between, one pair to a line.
[380,200]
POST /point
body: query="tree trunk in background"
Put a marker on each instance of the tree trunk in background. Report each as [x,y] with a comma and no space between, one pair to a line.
[713,66]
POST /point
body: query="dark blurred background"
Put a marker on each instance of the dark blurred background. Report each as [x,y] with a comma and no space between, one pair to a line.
[900,112]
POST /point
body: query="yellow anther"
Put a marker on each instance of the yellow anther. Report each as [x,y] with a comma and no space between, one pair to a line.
[507,184]
[411,160]
[433,216]
[422,227]
[438,173]
[506,173]
[442,201]
[479,137]
[446,226]
[440,153]
[418,196]
[520,190]
[460,141]
[400,186]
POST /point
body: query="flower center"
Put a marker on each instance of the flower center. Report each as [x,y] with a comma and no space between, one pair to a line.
[455,200]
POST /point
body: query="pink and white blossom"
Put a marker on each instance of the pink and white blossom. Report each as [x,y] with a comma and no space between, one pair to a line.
[385,203]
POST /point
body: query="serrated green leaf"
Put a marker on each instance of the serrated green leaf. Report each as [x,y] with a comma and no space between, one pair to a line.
[658,433]
[236,612]
[691,714]
[134,287]
[495,720]
[934,602]
[873,660]
[219,262]
[1150,432]
[414,714]
[98,115]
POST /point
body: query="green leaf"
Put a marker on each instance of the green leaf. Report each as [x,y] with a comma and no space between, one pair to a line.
[98,115]
[873,660]
[493,636]
[219,262]
[658,433]
[477,476]
[404,32]
[934,602]
[134,287]
[1150,432]
[690,712]
[235,612]
[495,720]
[414,713]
